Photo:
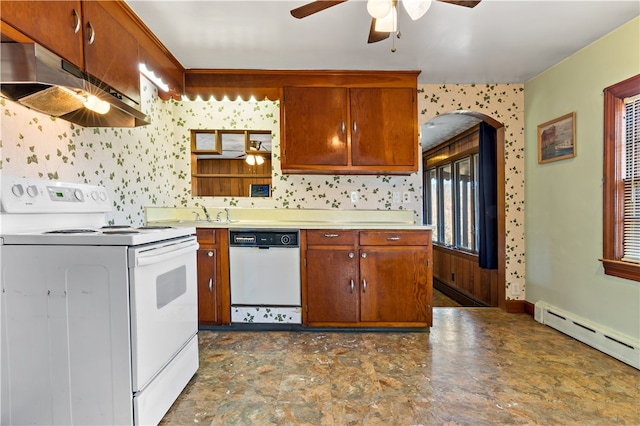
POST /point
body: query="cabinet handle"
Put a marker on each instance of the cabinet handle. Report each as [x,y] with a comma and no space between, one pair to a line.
[331,235]
[352,286]
[92,33]
[210,254]
[364,286]
[393,239]
[351,255]
[342,126]
[364,255]
[76,21]
[210,285]
[355,126]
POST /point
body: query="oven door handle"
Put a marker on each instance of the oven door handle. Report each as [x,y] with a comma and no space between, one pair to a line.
[145,260]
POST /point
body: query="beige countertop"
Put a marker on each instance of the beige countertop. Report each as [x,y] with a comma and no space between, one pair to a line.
[283,218]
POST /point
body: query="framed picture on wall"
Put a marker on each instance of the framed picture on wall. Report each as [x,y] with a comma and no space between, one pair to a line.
[557,139]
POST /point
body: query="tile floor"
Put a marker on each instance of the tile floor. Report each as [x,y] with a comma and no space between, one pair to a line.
[476,366]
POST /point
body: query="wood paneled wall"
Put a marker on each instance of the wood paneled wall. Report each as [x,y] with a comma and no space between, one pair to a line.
[461,272]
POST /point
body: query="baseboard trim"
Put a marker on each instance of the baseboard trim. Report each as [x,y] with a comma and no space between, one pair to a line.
[456,295]
[514,306]
[529,308]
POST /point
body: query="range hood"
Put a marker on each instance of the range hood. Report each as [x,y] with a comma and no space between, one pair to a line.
[38,79]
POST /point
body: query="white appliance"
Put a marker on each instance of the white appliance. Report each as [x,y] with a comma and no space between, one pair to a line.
[99,325]
[264,269]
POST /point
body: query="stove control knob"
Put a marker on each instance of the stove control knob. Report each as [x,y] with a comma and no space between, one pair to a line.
[103,196]
[32,190]
[78,194]
[285,239]
[94,195]
[17,190]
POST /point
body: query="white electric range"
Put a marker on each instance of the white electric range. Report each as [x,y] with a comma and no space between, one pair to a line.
[99,323]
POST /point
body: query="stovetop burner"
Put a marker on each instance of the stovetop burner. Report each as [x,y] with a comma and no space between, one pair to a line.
[155,227]
[72,231]
[121,232]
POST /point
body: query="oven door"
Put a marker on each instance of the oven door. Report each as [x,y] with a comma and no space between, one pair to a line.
[164,305]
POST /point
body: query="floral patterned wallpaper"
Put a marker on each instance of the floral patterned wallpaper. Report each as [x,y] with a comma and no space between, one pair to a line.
[504,103]
[150,165]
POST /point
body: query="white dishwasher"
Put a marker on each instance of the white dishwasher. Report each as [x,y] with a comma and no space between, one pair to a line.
[264,267]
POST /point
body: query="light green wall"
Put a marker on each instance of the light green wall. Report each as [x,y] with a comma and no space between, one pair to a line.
[563,199]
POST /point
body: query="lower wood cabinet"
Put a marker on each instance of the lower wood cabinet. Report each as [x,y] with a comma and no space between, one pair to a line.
[368,278]
[333,287]
[213,277]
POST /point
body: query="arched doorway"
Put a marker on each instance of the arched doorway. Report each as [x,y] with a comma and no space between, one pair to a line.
[446,127]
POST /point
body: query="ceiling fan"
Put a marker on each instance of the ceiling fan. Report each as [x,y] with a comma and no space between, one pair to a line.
[383,13]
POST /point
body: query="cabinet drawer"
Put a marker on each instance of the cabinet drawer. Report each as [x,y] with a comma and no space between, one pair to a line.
[331,237]
[206,235]
[396,238]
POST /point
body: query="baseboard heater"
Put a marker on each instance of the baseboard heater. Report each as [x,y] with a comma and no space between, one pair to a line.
[595,335]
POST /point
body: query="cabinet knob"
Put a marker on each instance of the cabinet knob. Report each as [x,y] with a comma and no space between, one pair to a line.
[351,255]
[210,254]
[364,255]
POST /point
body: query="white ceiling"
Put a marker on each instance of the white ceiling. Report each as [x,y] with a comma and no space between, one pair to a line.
[498,41]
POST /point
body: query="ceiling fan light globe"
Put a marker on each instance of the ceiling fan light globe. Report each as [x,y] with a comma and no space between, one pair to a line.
[389,23]
[416,8]
[259,160]
[251,160]
[378,8]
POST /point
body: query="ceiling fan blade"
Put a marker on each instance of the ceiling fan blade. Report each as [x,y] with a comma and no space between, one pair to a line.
[461,2]
[376,36]
[314,7]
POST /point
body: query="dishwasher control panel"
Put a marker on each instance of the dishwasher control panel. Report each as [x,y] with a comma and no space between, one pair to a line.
[264,238]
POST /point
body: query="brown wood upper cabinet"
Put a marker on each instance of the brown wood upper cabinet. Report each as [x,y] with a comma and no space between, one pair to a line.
[110,51]
[349,130]
[57,25]
[84,33]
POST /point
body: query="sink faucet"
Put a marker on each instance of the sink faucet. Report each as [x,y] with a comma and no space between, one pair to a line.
[206,214]
[226,212]
[197,216]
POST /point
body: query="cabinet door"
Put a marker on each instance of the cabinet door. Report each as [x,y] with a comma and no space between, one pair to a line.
[395,284]
[207,286]
[315,127]
[384,128]
[110,51]
[56,25]
[332,285]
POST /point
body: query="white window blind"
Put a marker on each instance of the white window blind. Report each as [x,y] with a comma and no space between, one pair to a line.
[631,180]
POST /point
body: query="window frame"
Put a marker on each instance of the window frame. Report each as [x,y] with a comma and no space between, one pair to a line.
[441,221]
[613,188]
